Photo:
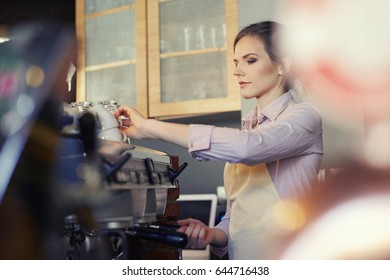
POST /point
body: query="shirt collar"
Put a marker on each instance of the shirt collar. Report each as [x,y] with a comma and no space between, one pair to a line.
[271,111]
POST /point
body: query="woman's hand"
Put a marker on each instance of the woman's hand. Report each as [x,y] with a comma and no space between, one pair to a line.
[199,235]
[132,122]
[137,127]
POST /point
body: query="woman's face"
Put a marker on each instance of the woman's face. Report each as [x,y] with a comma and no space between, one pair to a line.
[257,74]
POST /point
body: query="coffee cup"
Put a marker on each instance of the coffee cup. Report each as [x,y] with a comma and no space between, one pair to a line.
[113,134]
[105,119]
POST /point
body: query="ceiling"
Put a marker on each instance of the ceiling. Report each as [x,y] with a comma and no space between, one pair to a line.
[19,11]
[14,12]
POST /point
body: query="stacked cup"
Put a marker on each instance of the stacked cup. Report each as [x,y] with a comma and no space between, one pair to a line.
[107,124]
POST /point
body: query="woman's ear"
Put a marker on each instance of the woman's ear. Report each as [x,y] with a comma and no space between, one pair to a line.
[280,71]
[286,65]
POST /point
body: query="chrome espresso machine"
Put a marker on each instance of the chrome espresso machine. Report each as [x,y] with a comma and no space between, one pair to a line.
[72,186]
[116,191]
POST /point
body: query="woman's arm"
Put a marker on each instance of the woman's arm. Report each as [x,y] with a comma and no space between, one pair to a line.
[295,133]
[137,127]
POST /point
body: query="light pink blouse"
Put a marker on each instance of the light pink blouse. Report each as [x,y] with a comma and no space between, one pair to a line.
[288,138]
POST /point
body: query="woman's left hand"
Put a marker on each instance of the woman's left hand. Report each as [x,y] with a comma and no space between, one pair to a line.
[199,235]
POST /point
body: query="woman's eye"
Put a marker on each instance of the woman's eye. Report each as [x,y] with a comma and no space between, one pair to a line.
[252,61]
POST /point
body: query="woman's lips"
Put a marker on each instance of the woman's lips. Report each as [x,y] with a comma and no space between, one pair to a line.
[243,84]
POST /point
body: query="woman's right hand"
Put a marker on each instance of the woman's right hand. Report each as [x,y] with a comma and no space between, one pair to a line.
[137,127]
[132,122]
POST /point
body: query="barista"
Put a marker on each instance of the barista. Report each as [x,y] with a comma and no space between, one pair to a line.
[274,157]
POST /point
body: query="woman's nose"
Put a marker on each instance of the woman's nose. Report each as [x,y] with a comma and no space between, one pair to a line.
[238,71]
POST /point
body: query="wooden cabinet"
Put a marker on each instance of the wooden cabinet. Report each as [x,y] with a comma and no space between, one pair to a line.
[167,58]
[112,52]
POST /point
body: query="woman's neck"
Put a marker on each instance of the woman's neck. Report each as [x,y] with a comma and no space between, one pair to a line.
[266,99]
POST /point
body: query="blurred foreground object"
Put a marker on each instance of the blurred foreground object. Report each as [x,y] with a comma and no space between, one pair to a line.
[347,219]
[341,51]
[33,68]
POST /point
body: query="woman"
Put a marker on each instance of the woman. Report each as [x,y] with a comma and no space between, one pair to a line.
[276,156]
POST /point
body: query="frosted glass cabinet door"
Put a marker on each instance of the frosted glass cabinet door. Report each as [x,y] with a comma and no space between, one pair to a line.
[192,24]
[115,83]
[193,77]
[190,57]
[112,55]
[110,38]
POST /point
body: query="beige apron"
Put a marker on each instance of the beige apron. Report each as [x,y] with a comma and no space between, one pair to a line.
[252,196]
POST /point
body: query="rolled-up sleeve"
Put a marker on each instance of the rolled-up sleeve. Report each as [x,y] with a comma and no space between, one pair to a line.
[292,134]
[200,138]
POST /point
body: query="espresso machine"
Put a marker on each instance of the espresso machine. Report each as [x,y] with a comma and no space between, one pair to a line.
[124,186]
[71,187]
